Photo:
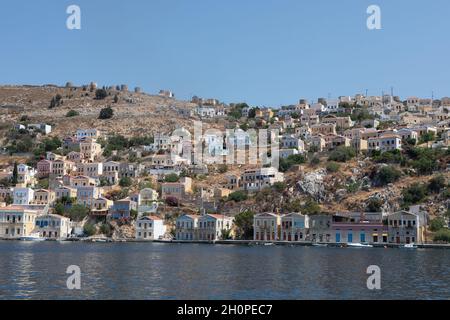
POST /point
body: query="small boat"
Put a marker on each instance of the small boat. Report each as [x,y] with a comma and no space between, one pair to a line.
[268,244]
[320,245]
[410,246]
[359,245]
[33,237]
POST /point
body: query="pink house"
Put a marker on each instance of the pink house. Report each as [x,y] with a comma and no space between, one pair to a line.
[44,168]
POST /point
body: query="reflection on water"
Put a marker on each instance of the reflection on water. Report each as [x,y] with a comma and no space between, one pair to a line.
[166,271]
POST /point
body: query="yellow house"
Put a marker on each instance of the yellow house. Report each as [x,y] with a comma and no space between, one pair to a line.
[16,222]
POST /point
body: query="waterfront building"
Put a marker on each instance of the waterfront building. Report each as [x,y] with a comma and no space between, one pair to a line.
[294,227]
[320,228]
[150,228]
[186,227]
[372,232]
[53,226]
[16,222]
[266,227]
[212,226]
[406,227]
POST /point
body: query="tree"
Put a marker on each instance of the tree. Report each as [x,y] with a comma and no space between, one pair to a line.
[8,200]
[244,225]
[311,208]
[173,177]
[442,235]
[78,212]
[51,144]
[226,234]
[315,161]
[106,229]
[286,164]
[238,196]
[386,175]
[59,208]
[415,193]
[437,224]
[125,182]
[89,229]
[106,113]
[101,94]
[15,175]
[426,137]
[342,154]
[279,186]
[374,205]
[436,184]
[172,201]
[223,168]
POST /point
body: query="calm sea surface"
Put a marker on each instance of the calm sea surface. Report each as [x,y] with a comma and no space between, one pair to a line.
[196,271]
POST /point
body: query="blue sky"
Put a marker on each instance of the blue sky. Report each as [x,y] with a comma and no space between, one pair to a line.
[264,52]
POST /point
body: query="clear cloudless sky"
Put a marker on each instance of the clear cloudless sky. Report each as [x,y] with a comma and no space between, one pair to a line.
[264,52]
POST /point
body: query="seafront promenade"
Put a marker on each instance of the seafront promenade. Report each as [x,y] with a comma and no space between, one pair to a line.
[251,243]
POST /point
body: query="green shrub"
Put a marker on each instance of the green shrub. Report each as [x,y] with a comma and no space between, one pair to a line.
[89,229]
[77,212]
[173,177]
[315,161]
[106,113]
[333,167]
[436,184]
[437,224]
[101,94]
[286,164]
[238,196]
[125,182]
[442,236]
[311,208]
[342,154]
[374,205]
[279,186]
[414,194]
[72,113]
[386,175]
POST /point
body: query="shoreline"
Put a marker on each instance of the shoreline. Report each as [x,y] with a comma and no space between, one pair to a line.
[244,243]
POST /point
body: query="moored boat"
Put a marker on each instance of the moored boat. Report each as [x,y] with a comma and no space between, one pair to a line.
[32,237]
[359,245]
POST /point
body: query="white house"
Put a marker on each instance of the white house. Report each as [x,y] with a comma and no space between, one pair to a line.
[386,142]
[211,226]
[150,228]
[23,196]
[53,226]
[87,133]
[294,227]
